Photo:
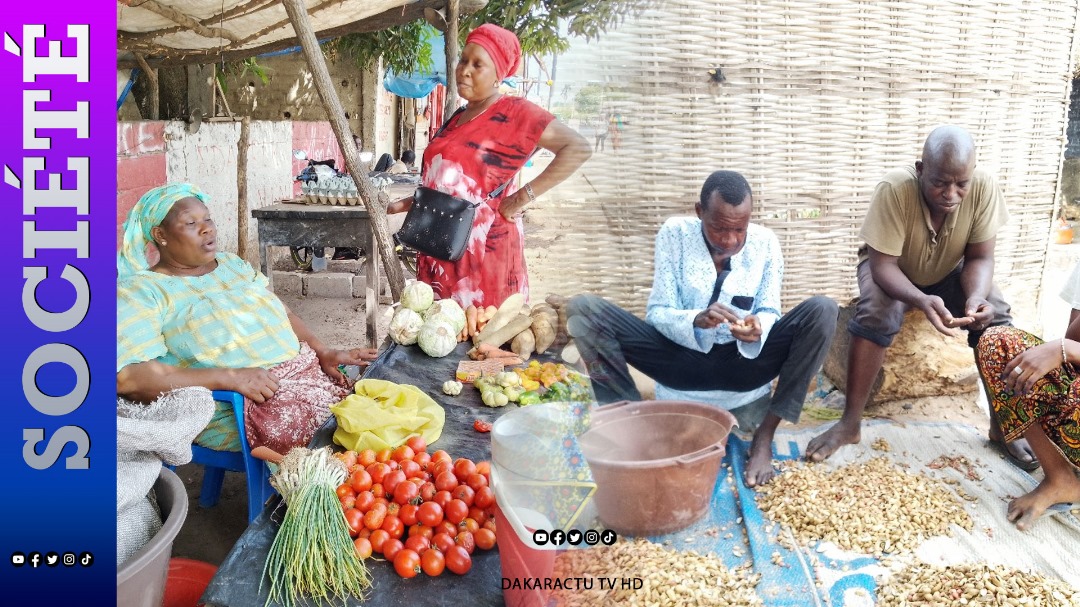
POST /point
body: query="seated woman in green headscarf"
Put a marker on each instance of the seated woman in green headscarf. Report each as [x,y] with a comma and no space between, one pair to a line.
[203,317]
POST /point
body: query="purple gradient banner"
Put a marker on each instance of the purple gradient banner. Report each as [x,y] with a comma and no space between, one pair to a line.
[58,439]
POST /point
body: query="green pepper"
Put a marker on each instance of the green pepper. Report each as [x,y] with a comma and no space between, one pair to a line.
[556,392]
[531,397]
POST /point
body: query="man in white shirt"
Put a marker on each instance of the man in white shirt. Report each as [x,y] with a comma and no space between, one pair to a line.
[713,320]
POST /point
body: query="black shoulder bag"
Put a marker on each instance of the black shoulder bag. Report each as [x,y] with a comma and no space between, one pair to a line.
[439,224]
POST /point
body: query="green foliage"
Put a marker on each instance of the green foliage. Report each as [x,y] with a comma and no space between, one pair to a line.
[403,48]
[536,22]
[239,69]
[588,99]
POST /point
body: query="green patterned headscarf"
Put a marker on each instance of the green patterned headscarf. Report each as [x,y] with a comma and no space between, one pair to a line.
[149,212]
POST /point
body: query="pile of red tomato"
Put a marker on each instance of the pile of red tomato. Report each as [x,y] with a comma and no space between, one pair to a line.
[422,512]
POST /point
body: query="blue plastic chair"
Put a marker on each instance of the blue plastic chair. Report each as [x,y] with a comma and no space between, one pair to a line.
[215,464]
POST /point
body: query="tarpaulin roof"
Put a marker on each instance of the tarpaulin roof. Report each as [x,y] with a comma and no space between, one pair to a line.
[179,32]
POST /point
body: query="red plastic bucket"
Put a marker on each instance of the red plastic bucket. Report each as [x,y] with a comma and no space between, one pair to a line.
[187,581]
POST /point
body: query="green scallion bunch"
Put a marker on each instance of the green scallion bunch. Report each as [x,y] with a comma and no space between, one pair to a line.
[313,555]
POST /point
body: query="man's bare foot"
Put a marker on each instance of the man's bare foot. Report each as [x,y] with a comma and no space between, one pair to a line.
[1027,509]
[759,468]
[826,443]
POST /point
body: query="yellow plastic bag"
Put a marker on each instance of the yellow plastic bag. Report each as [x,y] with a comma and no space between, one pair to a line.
[382,415]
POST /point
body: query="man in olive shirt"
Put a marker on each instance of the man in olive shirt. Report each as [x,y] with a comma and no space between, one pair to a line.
[929,240]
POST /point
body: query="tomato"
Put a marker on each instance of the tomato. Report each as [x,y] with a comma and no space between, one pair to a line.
[466,540]
[481,426]
[463,467]
[391,548]
[441,455]
[407,563]
[442,541]
[383,455]
[442,498]
[430,514]
[432,562]
[348,502]
[421,530]
[469,525]
[355,519]
[402,453]
[393,464]
[417,443]
[393,525]
[423,459]
[411,469]
[374,518]
[391,480]
[406,492]
[490,525]
[364,533]
[417,543]
[484,497]
[476,481]
[455,511]
[393,508]
[365,458]
[365,500]
[477,515]
[347,457]
[344,491]
[427,491]
[407,514]
[360,480]
[484,468]
[378,539]
[463,493]
[485,539]
[377,471]
[380,500]
[363,547]
[446,481]
[378,491]
[458,560]
[446,527]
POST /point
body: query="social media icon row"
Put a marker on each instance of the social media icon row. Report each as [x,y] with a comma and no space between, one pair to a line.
[574,537]
[51,559]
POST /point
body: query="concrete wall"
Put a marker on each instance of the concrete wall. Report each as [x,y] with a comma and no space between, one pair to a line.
[150,154]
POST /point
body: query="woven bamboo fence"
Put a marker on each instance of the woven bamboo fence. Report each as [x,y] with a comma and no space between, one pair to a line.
[820,98]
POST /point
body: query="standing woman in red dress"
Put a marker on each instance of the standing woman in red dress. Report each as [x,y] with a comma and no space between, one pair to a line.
[480,149]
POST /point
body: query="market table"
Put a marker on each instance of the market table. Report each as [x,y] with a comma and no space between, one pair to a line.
[237,582]
[294,224]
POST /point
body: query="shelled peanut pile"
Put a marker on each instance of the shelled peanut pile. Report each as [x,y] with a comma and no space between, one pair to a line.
[974,584]
[669,578]
[874,507]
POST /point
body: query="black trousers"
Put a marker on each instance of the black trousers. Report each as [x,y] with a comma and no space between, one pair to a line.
[609,338]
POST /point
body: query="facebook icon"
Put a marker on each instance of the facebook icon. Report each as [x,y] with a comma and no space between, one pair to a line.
[557,537]
[35,559]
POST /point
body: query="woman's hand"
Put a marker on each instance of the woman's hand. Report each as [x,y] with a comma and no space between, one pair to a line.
[399,206]
[512,205]
[1021,373]
[330,359]
[257,384]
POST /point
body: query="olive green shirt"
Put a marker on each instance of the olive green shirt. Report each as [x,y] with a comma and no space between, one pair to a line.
[898,224]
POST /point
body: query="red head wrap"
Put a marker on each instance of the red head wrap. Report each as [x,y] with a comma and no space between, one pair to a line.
[501,45]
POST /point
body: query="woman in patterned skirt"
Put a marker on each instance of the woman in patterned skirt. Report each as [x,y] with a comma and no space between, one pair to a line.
[1035,393]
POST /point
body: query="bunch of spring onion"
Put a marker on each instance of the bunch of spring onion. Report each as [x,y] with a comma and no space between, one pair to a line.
[313,555]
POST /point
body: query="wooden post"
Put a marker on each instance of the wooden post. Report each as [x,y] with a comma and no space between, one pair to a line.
[242,187]
[376,205]
[451,39]
[151,73]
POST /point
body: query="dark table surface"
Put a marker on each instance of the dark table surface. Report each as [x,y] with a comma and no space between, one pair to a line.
[237,581]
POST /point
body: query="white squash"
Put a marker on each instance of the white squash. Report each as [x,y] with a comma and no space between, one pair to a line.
[417,296]
[437,338]
[405,326]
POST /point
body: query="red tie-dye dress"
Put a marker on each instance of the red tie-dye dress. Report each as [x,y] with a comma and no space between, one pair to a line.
[469,161]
